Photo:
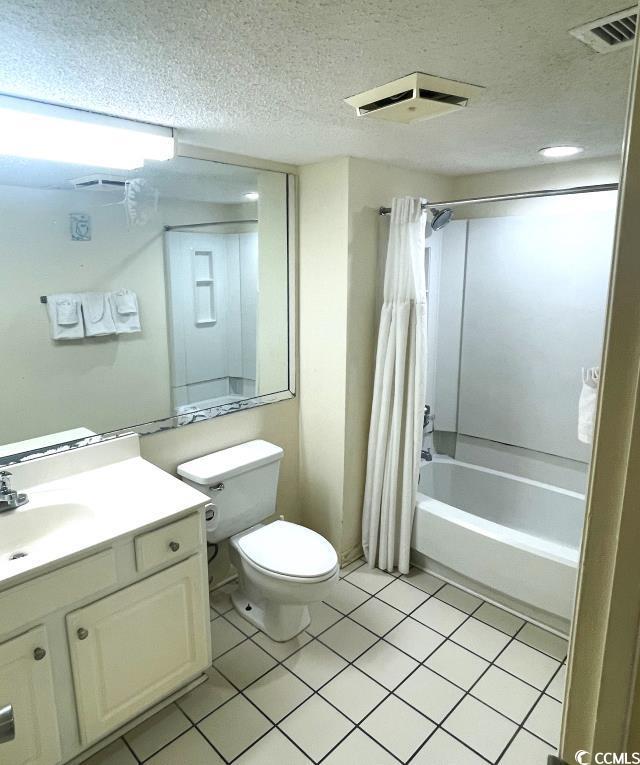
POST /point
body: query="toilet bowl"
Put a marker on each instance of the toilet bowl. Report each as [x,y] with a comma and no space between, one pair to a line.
[282,568]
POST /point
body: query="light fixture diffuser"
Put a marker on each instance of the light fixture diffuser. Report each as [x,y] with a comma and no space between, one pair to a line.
[558,152]
[58,134]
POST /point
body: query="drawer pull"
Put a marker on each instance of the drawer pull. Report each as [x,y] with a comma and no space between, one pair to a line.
[82,633]
[174,546]
[39,654]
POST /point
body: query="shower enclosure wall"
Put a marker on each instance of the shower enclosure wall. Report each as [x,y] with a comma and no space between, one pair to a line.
[516,307]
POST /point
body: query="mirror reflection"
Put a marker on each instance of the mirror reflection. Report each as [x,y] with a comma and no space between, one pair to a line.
[137,296]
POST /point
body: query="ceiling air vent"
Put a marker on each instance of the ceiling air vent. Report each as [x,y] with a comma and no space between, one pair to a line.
[613,32]
[417,96]
[98,182]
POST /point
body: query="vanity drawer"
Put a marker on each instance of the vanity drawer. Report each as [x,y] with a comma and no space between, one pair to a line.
[169,543]
[62,587]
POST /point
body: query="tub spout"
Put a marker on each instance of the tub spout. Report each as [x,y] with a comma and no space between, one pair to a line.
[426,455]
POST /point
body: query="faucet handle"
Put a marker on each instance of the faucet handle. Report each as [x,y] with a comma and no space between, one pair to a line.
[5,480]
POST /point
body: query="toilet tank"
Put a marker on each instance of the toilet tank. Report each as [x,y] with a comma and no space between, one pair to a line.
[242,482]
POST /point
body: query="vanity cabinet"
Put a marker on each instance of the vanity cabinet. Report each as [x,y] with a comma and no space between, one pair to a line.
[130,649]
[26,683]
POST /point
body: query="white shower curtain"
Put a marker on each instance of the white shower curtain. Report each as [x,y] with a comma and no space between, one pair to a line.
[395,432]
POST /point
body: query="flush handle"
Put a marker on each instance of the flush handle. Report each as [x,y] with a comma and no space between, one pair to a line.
[217,487]
[39,654]
[82,633]
[7,724]
[174,546]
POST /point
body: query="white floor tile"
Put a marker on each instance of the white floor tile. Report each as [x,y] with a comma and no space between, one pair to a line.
[439,616]
[528,664]
[443,749]
[348,639]
[277,693]
[457,664]
[234,727]
[403,596]
[480,638]
[458,598]
[505,693]
[359,749]
[240,622]
[117,753]
[526,749]
[370,579]
[322,617]
[414,638]
[544,641]
[545,720]
[157,731]
[398,727]
[224,636]
[220,598]
[190,749]
[377,616]
[244,664]
[280,651]
[202,700]
[386,664]
[352,566]
[423,580]
[499,618]
[556,687]
[315,664]
[272,748]
[478,726]
[431,694]
[316,727]
[344,596]
[354,693]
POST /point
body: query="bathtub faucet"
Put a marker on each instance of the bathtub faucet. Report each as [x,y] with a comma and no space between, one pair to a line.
[425,454]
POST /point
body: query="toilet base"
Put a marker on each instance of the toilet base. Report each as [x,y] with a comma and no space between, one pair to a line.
[278,621]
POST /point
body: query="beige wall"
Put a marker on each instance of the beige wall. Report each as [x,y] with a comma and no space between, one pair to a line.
[341,237]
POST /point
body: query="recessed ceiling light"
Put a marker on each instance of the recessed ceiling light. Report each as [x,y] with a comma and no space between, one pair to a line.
[557,152]
[252,196]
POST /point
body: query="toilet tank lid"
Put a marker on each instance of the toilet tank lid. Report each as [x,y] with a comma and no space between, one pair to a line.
[229,462]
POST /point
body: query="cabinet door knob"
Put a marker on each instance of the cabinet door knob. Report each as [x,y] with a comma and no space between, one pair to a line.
[39,654]
[174,546]
[82,633]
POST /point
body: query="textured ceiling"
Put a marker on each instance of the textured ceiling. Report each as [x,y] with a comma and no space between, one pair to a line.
[267,78]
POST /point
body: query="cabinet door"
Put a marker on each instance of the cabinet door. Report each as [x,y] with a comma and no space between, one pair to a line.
[26,683]
[134,647]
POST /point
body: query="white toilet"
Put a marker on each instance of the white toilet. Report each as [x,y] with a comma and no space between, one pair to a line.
[282,567]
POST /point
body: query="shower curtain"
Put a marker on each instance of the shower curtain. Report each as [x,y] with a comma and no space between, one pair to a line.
[395,432]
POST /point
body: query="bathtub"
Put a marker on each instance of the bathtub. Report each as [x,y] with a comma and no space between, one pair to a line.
[512,540]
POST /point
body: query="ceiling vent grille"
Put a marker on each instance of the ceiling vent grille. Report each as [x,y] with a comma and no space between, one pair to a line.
[613,32]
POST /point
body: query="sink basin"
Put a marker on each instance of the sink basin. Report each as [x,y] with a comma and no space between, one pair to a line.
[54,523]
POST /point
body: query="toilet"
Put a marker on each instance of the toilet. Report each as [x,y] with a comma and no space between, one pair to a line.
[282,567]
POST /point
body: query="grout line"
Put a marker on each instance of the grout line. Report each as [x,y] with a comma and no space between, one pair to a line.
[389,693]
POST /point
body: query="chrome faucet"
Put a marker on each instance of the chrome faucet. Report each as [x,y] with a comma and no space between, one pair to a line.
[9,499]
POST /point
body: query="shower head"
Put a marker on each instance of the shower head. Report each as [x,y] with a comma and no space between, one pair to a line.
[440,217]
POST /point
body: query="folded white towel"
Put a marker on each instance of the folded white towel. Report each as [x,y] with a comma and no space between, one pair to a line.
[126,316]
[587,411]
[65,317]
[96,309]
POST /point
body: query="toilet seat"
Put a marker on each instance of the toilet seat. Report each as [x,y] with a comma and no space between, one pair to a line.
[288,550]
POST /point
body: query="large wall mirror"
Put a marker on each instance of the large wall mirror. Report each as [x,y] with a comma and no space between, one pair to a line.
[139,300]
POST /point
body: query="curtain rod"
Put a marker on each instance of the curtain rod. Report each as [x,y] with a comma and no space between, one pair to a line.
[517,195]
[212,223]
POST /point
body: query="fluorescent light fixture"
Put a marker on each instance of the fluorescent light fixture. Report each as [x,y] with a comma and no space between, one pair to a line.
[252,196]
[58,134]
[558,152]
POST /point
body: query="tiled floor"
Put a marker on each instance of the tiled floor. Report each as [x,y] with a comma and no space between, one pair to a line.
[392,669]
